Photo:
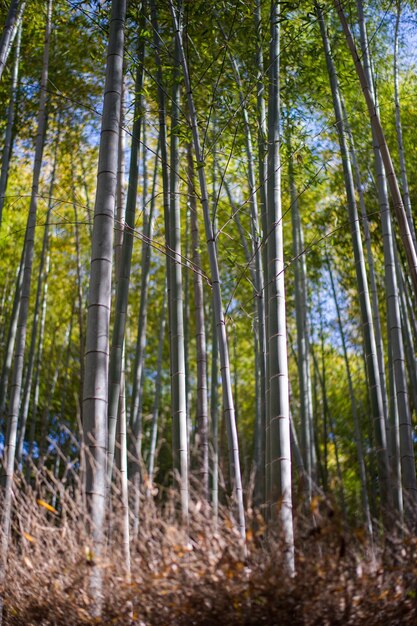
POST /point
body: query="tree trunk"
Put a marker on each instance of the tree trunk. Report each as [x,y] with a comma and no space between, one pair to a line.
[8,140]
[138,369]
[158,385]
[394,442]
[11,337]
[400,213]
[173,256]
[122,466]
[80,296]
[95,393]
[13,19]
[262,478]
[259,295]
[38,317]
[178,386]
[372,276]
[10,447]
[399,130]
[395,340]
[215,276]
[356,424]
[123,279]
[361,278]
[202,398]
[214,415]
[407,332]
[303,340]
[279,429]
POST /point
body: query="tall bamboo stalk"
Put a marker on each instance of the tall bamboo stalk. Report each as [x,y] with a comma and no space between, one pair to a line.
[15,392]
[301,313]
[362,281]
[392,181]
[11,337]
[376,316]
[175,311]
[262,449]
[139,361]
[8,139]
[399,130]
[14,17]
[80,295]
[123,279]
[356,424]
[202,393]
[228,403]
[39,314]
[408,472]
[178,384]
[279,416]
[158,386]
[95,392]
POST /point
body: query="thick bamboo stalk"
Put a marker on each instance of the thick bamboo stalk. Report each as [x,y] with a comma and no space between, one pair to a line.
[95,392]
[279,428]
[123,279]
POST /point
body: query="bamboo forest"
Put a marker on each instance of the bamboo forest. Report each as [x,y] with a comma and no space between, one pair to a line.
[208,312]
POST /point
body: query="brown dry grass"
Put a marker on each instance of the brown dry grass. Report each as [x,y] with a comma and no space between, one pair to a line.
[201,577]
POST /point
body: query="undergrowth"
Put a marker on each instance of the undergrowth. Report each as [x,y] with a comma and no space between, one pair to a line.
[201,576]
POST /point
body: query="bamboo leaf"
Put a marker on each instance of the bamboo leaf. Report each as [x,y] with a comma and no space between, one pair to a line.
[29,537]
[47,506]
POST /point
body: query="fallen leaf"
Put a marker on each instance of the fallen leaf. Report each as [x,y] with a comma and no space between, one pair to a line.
[47,506]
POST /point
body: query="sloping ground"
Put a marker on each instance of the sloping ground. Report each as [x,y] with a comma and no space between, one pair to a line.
[233,594]
[204,578]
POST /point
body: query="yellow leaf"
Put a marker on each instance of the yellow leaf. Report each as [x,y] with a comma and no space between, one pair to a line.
[47,506]
[314,504]
[28,537]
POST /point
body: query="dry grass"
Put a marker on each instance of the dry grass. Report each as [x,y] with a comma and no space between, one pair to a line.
[200,577]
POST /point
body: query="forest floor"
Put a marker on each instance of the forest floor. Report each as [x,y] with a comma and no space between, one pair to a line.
[203,577]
